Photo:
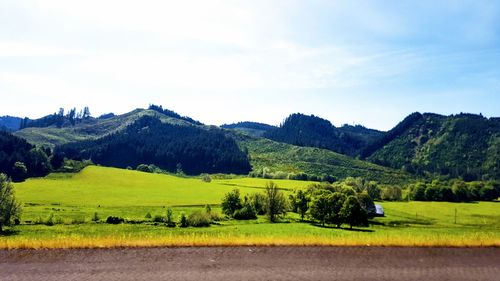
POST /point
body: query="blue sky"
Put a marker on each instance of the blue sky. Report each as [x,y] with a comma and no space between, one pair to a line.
[355,62]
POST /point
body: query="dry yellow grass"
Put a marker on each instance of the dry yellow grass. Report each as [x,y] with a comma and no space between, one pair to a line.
[198,240]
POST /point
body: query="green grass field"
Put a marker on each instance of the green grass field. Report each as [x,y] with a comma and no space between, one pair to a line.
[132,195]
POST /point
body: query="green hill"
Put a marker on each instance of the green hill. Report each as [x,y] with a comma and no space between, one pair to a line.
[309,130]
[463,145]
[287,158]
[90,129]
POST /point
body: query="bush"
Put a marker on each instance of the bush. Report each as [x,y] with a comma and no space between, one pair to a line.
[460,191]
[114,220]
[80,220]
[148,215]
[391,193]
[198,219]
[144,168]
[488,193]
[258,201]
[183,221]
[418,191]
[159,218]
[245,213]
[169,218]
[95,217]
[206,178]
[50,220]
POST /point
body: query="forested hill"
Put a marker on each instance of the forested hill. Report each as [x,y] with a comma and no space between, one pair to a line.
[10,123]
[171,147]
[463,145]
[250,128]
[19,159]
[90,128]
[309,130]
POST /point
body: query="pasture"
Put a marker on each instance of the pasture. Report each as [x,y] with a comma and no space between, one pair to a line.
[73,199]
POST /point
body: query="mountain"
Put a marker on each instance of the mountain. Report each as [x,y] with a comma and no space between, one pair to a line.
[101,140]
[462,145]
[171,147]
[309,130]
[10,123]
[254,129]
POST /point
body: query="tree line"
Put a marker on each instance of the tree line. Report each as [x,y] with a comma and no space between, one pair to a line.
[319,203]
[58,119]
[173,114]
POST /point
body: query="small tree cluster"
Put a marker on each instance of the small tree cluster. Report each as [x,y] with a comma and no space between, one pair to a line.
[273,203]
[345,202]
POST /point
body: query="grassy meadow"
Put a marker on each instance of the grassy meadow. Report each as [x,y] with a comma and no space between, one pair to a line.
[72,200]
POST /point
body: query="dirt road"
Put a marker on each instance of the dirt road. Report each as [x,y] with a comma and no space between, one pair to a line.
[253,263]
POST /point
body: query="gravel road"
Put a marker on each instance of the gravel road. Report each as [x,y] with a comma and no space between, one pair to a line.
[253,263]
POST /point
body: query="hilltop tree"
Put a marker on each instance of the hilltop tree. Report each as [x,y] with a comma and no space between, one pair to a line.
[10,209]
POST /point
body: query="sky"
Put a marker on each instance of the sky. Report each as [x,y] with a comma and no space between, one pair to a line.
[351,62]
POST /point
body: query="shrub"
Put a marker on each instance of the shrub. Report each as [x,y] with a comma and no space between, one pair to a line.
[460,191]
[216,216]
[114,220]
[159,218]
[206,178]
[245,213]
[391,193]
[433,193]
[198,219]
[488,193]
[144,168]
[95,217]
[50,220]
[418,191]
[148,215]
[258,201]
[169,215]
[79,220]
[183,222]
[447,194]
